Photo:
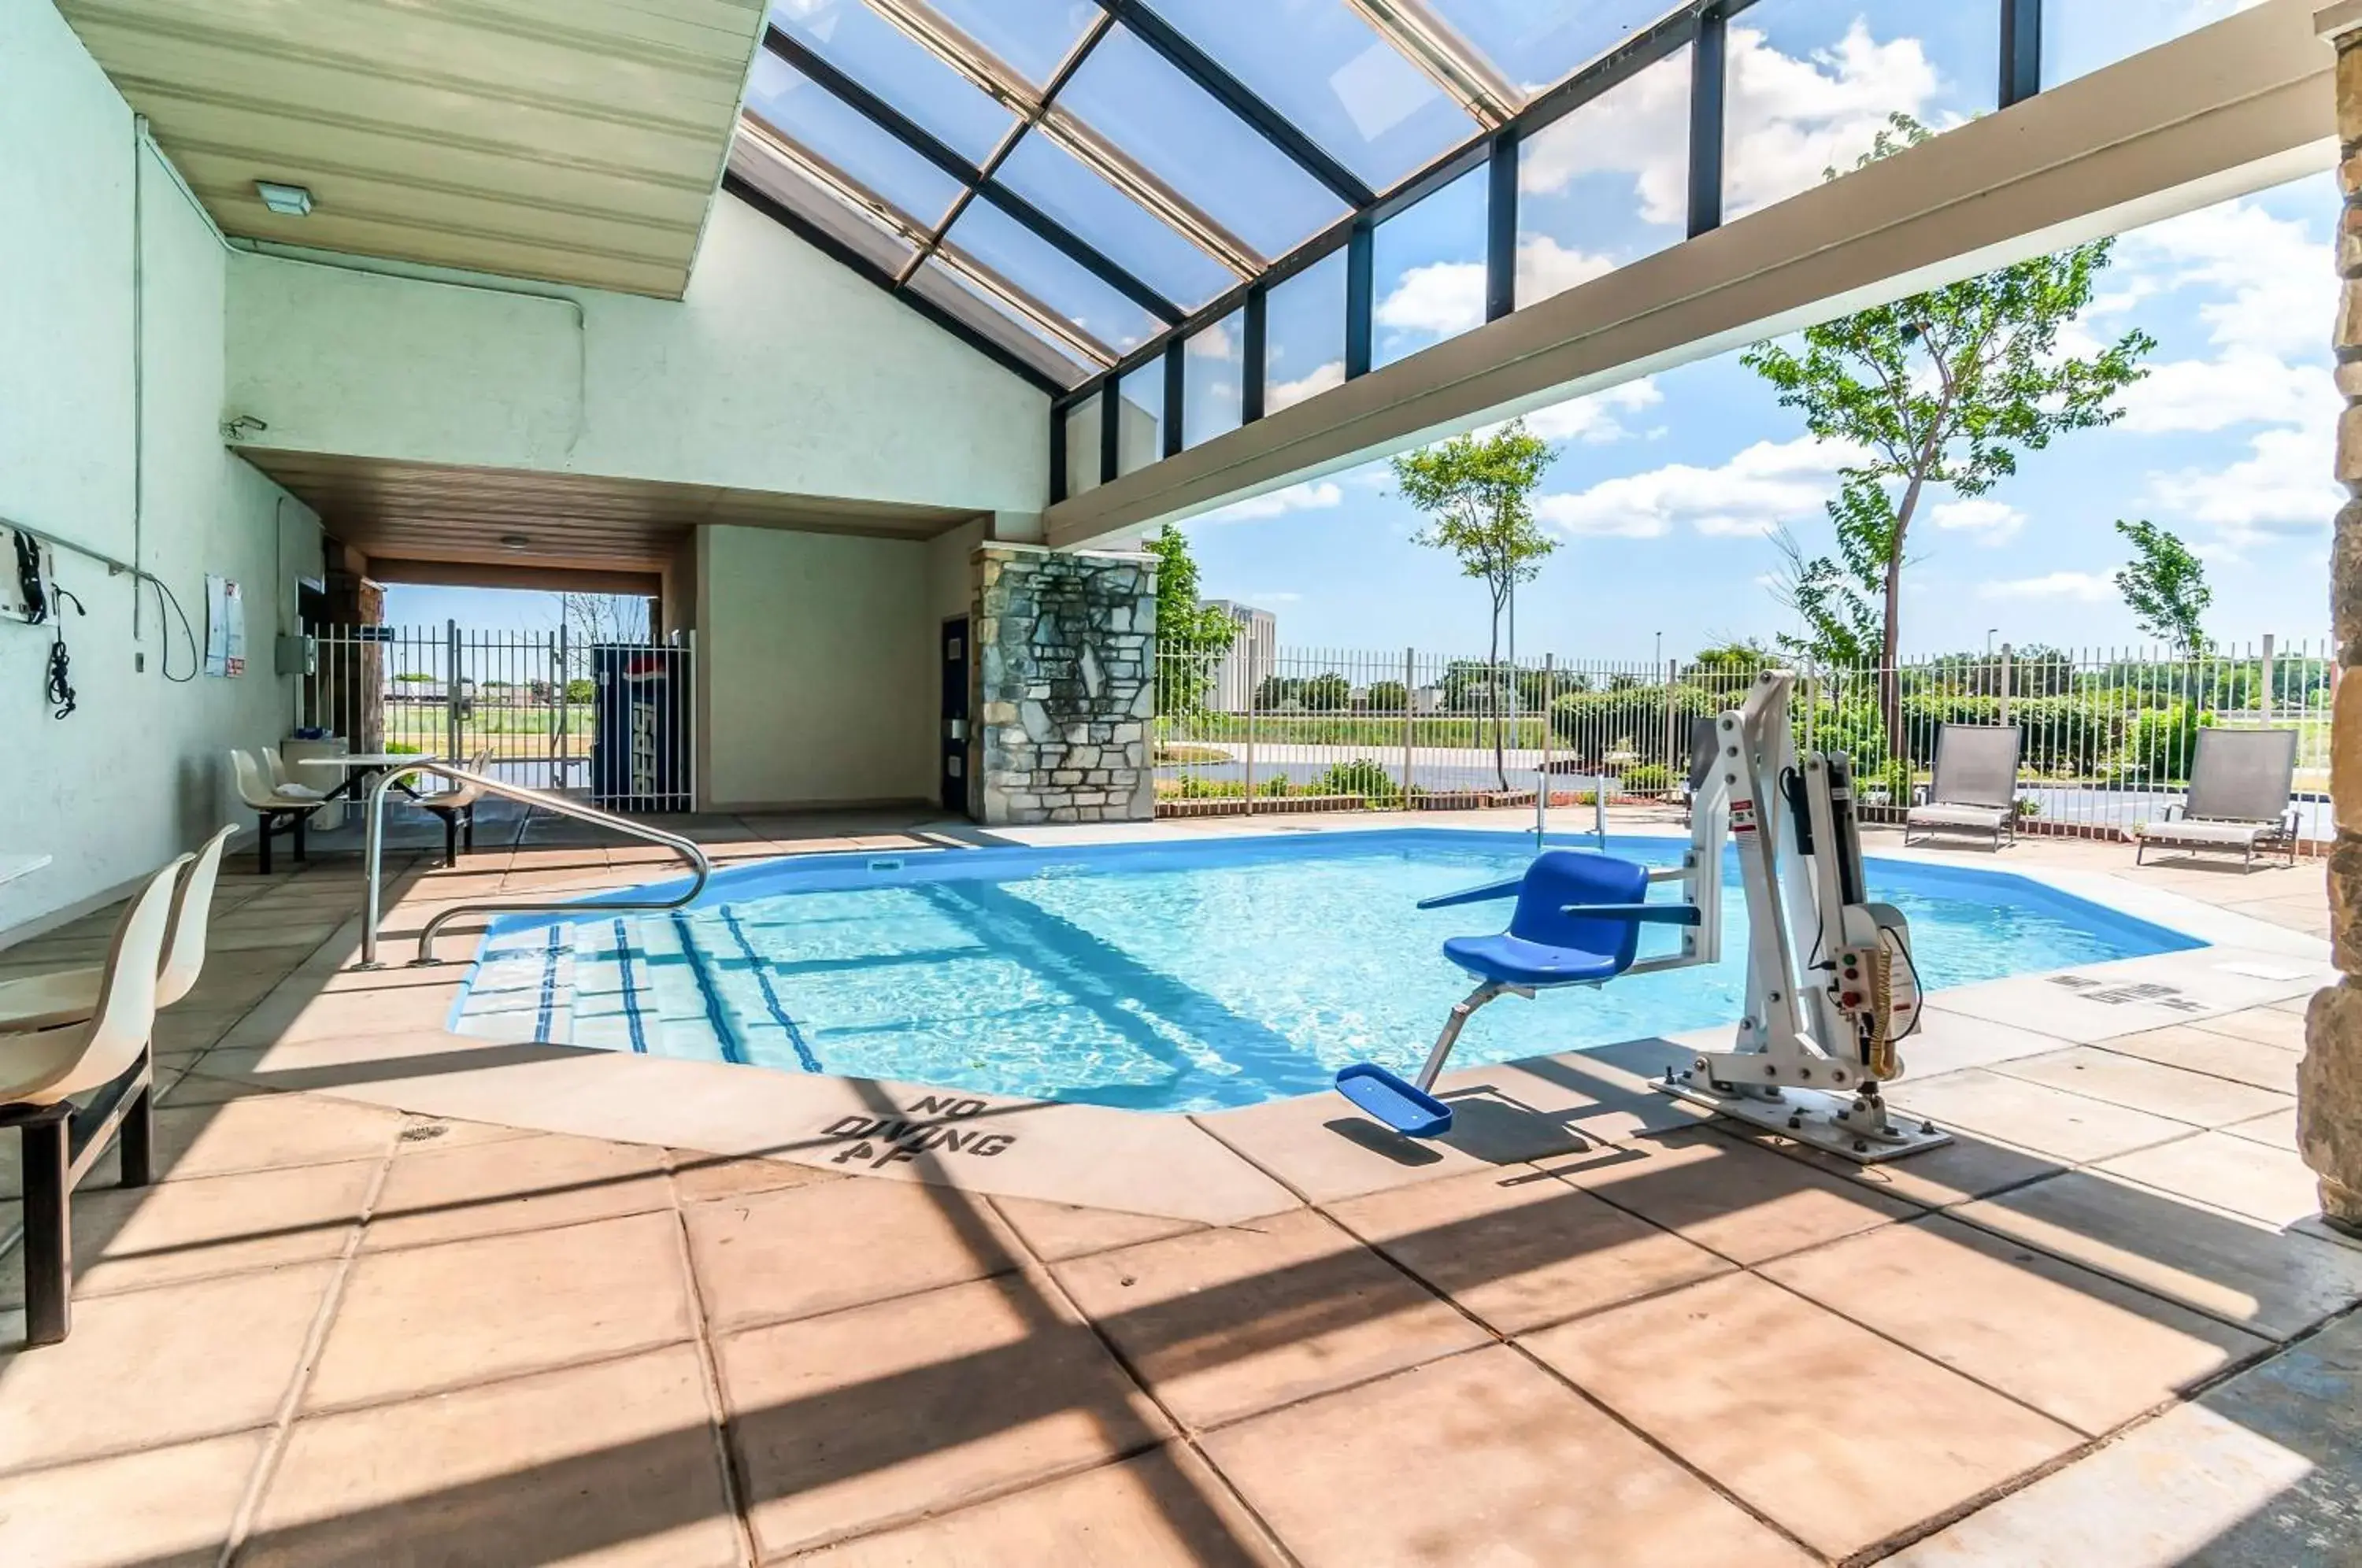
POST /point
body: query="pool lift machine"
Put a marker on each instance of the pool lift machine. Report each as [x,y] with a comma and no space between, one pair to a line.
[1831,988]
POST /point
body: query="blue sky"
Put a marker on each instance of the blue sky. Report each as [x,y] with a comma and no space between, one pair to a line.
[1665,489]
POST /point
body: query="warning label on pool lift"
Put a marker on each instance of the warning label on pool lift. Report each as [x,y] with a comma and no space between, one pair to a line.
[925,1128]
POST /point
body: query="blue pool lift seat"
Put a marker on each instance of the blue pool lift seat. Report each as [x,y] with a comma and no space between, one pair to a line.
[1577,923]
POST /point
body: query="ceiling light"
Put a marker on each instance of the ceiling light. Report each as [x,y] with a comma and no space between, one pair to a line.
[287,201]
[514,542]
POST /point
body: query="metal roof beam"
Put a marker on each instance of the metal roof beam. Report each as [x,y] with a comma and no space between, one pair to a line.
[925,144]
[1420,35]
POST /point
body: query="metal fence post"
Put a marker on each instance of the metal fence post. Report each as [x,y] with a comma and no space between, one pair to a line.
[1411,723]
[2005,665]
[451,690]
[2269,697]
[1251,695]
[1542,777]
[562,732]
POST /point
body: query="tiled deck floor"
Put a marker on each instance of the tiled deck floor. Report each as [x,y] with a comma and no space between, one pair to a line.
[337,1333]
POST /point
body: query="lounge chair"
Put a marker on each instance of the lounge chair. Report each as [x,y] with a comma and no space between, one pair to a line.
[60,1141]
[1975,787]
[63,996]
[455,805]
[276,810]
[2240,781]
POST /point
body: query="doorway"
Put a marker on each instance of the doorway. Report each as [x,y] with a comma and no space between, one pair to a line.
[955,780]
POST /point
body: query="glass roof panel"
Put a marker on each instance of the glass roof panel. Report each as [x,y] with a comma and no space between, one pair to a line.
[899,69]
[1812,84]
[1033,37]
[1136,240]
[1427,270]
[1140,417]
[1319,64]
[943,286]
[2081,36]
[1128,94]
[848,142]
[1605,184]
[991,237]
[1304,334]
[763,168]
[1213,388]
[1538,45]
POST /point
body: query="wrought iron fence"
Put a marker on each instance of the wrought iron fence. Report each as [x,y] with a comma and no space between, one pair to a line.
[547,708]
[2107,734]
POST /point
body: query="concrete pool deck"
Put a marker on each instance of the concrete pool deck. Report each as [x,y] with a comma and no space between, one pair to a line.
[403,1296]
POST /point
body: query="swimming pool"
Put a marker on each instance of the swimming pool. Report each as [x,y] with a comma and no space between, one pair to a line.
[1163,976]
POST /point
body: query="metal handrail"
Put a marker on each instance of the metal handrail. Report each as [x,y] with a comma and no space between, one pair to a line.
[538,799]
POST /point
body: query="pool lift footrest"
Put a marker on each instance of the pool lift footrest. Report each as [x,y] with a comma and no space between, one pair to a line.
[1412,1109]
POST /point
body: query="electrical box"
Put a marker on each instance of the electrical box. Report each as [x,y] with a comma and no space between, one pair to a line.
[27,569]
[297,656]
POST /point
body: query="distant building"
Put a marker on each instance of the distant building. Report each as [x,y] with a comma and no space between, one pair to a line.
[1252,658]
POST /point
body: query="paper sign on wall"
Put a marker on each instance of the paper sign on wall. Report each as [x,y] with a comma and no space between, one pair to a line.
[225,626]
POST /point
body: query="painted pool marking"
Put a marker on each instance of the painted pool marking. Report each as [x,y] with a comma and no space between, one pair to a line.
[732,1048]
[631,990]
[548,1008]
[771,997]
[907,1136]
[2151,991]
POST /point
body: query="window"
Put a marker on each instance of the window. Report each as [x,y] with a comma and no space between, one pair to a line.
[1304,334]
[1324,68]
[1428,270]
[1605,184]
[1812,84]
[1083,446]
[992,239]
[2080,37]
[1140,417]
[847,141]
[1213,379]
[941,286]
[899,69]
[1127,93]
[1132,238]
[1540,45]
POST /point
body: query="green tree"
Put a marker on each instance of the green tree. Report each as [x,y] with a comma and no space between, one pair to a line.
[2165,584]
[1386,697]
[1939,390]
[1191,637]
[1477,492]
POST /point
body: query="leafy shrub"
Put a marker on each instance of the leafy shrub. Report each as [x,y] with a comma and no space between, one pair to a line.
[1648,778]
[1360,776]
[2162,740]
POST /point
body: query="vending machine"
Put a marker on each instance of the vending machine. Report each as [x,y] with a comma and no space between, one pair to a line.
[639,747]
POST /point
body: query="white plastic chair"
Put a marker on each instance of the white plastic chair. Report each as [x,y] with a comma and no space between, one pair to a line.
[38,1071]
[283,783]
[456,806]
[274,810]
[69,996]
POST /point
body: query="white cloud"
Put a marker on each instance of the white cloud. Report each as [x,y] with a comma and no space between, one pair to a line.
[1319,379]
[2282,488]
[1591,418]
[1769,484]
[1445,298]
[1993,522]
[2089,587]
[1214,342]
[2241,387]
[2280,289]
[1789,118]
[1315,495]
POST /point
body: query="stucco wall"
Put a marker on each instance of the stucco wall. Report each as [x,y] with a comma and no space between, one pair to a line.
[135,773]
[818,680]
[779,370]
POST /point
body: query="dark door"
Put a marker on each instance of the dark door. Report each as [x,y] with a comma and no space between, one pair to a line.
[955,724]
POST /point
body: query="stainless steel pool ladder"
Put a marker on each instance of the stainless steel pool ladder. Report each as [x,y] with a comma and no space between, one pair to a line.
[541,801]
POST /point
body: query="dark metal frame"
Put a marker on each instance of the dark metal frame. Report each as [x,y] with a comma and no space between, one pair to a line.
[1698,25]
[56,1145]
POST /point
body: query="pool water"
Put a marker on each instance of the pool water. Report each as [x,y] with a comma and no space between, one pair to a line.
[1162,977]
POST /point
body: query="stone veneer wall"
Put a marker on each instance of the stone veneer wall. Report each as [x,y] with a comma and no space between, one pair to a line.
[2329,1079]
[1065,689]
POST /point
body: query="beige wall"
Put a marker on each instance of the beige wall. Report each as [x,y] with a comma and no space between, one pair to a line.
[818,680]
[135,773]
[779,370]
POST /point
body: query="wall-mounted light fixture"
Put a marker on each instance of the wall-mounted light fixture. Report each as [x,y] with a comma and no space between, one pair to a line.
[287,201]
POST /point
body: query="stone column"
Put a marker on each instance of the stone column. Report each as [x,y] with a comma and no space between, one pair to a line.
[1064,685]
[2329,1081]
